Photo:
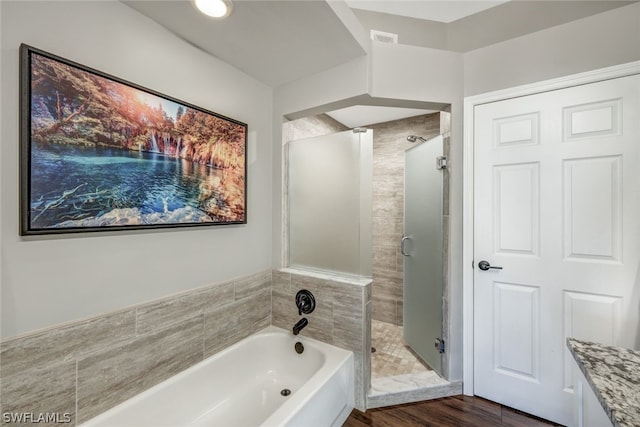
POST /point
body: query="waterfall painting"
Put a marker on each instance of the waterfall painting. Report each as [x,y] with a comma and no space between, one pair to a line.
[102,154]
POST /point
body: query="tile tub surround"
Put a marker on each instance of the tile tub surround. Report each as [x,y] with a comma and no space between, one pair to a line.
[341,317]
[614,374]
[389,145]
[84,368]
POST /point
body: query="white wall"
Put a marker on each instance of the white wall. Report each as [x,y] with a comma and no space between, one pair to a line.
[609,38]
[415,73]
[48,280]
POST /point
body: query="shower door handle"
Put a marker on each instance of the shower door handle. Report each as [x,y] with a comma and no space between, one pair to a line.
[404,239]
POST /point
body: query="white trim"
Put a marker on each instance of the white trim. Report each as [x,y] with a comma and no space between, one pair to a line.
[601,74]
[467,249]
[467,192]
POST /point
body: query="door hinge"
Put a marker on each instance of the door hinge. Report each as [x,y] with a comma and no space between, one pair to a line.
[439,345]
[441,162]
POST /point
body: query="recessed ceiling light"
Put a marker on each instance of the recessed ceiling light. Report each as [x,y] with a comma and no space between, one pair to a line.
[214,8]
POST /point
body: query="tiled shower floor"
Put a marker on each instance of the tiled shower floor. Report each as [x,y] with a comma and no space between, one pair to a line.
[392,357]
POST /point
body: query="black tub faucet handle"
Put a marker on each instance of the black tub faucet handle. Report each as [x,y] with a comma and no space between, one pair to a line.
[305,302]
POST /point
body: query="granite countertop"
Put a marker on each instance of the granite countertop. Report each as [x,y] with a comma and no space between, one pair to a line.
[614,376]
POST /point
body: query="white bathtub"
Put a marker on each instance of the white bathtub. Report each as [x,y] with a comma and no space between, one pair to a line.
[241,385]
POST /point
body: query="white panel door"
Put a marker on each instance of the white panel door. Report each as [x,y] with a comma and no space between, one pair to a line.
[557,206]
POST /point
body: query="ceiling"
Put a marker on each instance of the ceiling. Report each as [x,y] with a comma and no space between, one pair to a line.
[432,10]
[280,41]
[274,41]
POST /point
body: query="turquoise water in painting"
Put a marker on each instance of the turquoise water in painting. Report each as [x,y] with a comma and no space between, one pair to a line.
[84,186]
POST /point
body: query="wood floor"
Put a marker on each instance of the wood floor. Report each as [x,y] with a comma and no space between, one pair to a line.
[456,411]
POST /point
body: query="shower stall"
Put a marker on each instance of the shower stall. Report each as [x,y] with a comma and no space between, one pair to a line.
[370,203]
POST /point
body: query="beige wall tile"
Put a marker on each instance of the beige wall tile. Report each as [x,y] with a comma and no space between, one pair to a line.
[384,310]
[387,230]
[51,389]
[160,314]
[136,366]
[399,313]
[384,258]
[348,317]
[285,314]
[216,296]
[311,126]
[226,325]
[252,285]
[281,281]
[399,260]
[66,342]
[387,287]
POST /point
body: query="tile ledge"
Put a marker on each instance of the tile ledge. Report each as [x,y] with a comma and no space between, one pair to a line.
[336,277]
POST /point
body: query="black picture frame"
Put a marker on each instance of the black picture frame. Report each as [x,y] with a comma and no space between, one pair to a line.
[98,153]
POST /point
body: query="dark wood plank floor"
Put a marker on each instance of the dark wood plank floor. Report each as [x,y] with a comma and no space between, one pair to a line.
[456,411]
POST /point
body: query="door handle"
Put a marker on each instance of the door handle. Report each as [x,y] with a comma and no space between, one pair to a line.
[484,266]
[404,238]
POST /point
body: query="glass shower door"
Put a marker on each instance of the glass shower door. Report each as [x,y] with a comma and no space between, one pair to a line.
[422,247]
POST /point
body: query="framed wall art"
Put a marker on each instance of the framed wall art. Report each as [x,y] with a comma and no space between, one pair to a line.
[100,154]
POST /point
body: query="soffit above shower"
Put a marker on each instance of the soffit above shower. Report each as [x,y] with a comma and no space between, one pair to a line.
[364,115]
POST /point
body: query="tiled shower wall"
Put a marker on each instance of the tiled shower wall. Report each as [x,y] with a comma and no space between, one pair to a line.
[389,145]
[308,127]
[84,368]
